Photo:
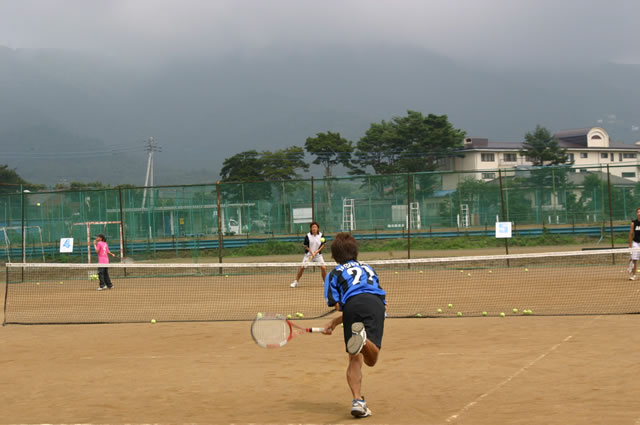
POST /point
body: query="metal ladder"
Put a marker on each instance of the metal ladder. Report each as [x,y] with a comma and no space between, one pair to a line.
[414,213]
[348,223]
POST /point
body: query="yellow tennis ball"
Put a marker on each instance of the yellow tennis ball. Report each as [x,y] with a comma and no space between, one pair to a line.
[515,310]
[226,275]
[459,314]
[153,320]
[439,310]
[322,239]
[484,313]
[418,315]
[289,316]
[259,315]
[61,283]
[396,272]
[490,271]
[468,274]
[450,306]
[38,204]
[38,283]
[502,314]
[526,269]
[300,315]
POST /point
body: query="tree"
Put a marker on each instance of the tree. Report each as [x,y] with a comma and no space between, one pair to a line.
[242,167]
[10,181]
[542,148]
[330,149]
[413,143]
[283,164]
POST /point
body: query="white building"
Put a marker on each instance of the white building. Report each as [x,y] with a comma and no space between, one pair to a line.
[587,148]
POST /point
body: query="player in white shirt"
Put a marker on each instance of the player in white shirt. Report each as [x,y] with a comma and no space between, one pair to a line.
[313,246]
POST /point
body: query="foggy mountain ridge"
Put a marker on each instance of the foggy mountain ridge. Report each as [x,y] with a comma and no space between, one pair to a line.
[204,109]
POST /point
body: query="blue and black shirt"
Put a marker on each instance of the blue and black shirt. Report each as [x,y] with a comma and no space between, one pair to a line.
[349,279]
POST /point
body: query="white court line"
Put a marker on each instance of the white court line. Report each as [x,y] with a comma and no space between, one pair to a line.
[456,415]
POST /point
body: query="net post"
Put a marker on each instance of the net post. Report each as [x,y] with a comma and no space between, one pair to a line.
[6,294]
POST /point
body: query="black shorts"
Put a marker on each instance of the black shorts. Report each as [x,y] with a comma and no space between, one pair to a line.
[368,309]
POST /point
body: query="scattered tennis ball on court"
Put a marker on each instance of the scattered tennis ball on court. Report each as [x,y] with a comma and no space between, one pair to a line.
[468,274]
[461,271]
[259,315]
[450,306]
[289,316]
[396,272]
[226,275]
[439,310]
[38,204]
[38,283]
[484,313]
[61,283]
[459,314]
[515,310]
[526,269]
[421,271]
[490,271]
[153,320]
[418,315]
[300,315]
[502,314]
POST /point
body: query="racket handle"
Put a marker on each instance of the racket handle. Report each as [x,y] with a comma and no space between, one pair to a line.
[315,329]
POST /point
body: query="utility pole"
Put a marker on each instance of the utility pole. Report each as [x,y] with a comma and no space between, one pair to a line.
[151,147]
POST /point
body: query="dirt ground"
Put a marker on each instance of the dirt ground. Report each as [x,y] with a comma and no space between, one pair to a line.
[470,370]
[513,370]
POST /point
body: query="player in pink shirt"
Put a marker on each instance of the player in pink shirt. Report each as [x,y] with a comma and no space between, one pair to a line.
[102,250]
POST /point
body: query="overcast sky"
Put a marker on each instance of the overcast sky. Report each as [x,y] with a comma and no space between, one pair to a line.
[500,33]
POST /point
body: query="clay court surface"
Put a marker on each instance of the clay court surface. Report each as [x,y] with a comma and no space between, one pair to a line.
[469,370]
[514,370]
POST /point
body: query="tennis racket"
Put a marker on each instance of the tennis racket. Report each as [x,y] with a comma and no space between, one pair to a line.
[128,260]
[274,331]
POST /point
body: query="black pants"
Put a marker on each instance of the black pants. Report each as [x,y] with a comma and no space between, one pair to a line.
[103,275]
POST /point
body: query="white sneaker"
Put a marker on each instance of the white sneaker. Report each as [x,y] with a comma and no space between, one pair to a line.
[632,277]
[294,284]
[358,339]
[359,408]
[102,288]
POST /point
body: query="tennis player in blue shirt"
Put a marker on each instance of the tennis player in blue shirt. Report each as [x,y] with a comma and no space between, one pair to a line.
[353,288]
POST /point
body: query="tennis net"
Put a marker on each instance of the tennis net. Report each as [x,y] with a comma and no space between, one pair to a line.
[559,283]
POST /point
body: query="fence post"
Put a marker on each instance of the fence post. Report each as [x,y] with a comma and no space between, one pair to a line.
[220,241]
[506,240]
[408,216]
[613,256]
[313,203]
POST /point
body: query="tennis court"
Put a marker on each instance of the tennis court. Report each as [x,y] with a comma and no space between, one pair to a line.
[469,370]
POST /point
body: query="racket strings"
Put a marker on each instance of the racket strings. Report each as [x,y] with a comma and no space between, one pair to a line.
[270,331]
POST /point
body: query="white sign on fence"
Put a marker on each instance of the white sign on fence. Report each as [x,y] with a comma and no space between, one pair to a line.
[503,229]
[66,245]
[302,215]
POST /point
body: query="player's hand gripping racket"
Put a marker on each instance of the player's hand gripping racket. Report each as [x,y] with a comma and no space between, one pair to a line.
[273,330]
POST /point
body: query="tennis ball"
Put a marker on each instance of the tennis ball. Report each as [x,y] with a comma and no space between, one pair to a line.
[396,272]
[289,316]
[526,270]
[439,310]
[38,283]
[323,240]
[61,283]
[515,310]
[459,314]
[484,313]
[502,314]
[418,315]
[300,315]
[490,271]
[226,275]
[153,320]
[259,315]
[450,306]
[421,271]
[38,204]
[468,274]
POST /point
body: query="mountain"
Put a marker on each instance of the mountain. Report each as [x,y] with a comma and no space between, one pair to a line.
[84,116]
